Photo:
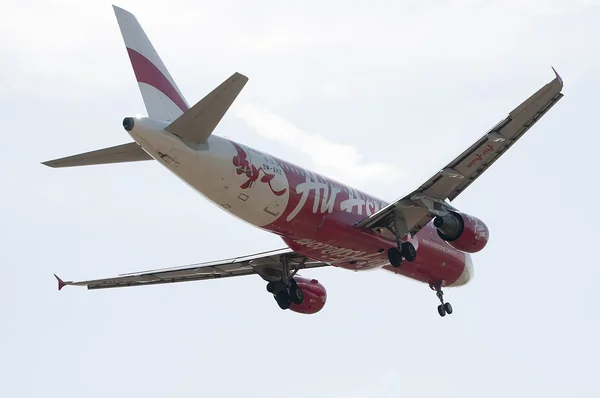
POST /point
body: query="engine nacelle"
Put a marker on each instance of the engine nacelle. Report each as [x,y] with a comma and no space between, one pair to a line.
[315,296]
[462,231]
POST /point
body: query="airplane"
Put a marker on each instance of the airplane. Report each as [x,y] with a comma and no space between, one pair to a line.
[322,222]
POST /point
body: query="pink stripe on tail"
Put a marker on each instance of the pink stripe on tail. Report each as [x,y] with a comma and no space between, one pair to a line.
[146,72]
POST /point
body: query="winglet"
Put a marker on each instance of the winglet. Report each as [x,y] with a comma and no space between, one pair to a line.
[61,283]
[557,76]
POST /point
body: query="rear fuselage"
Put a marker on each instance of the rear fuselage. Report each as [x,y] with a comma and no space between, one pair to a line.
[314,215]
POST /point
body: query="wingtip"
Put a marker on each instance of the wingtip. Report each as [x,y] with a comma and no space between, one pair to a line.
[557,75]
[61,283]
[238,75]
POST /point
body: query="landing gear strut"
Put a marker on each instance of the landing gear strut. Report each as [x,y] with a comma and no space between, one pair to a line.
[404,250]
[443,308]
[286,291]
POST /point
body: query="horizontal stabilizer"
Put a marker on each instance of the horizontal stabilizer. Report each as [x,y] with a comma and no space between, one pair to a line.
[130,152]
[198,123]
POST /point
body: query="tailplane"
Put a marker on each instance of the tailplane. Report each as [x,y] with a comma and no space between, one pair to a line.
[198,123]
[130,152]
[162,99]
[161,96]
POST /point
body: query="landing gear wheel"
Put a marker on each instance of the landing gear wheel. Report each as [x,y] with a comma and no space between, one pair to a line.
[283,300]
[442,310]
[286,290]
[270,287]
[448,308]
[408,251]
[394,257]
[296,294]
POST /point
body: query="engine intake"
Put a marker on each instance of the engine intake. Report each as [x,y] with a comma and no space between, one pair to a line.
[462,231]
[315,296]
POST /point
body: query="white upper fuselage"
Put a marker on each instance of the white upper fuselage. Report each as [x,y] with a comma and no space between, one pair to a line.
[218,169]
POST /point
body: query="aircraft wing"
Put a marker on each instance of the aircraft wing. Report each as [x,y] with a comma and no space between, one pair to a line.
[266,264]
[412,212]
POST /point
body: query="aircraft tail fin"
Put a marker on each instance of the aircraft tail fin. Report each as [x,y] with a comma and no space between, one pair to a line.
[160,93]
[162,99]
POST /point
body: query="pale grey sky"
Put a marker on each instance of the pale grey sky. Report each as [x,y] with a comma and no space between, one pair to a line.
[400,88]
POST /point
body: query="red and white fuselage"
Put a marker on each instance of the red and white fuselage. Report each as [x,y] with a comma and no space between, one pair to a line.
[314,215]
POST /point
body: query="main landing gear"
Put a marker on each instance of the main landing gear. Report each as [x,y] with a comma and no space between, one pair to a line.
[403,250]
[406,251]
[286,295]
[443,308]
[286,291]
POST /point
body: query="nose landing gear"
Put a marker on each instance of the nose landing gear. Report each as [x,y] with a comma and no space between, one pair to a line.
[443,308]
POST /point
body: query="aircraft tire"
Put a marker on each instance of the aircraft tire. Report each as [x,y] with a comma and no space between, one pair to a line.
[283,300]
[270,287]
[441,310]
[394,257]
[448,308]
[409,252]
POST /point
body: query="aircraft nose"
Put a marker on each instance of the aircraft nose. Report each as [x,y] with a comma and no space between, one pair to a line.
[468,272]
[469,266]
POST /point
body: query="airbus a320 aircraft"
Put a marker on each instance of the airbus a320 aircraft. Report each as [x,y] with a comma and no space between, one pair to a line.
[323,222]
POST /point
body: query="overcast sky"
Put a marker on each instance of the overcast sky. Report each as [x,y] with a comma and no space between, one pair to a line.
[379,95]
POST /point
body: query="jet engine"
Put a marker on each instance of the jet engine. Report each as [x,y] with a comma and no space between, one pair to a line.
[315,296]
[462,231]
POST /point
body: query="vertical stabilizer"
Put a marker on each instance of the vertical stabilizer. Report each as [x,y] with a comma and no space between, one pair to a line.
[161,96]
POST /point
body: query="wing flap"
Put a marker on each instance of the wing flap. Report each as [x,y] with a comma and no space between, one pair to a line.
[198,123]
[130,152]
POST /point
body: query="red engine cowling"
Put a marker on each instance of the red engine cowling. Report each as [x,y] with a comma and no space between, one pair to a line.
[462,231]
[315,296]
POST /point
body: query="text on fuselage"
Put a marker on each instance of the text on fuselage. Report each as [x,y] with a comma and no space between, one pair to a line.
[325,196]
